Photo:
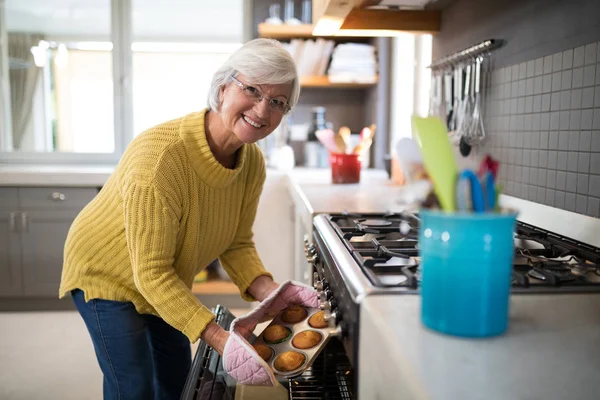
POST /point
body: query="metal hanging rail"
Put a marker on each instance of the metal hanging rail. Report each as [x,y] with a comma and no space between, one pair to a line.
[467,53]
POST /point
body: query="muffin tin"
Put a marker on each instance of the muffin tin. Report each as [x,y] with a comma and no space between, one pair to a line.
[287,344]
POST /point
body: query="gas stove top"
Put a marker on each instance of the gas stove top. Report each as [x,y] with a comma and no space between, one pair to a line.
[385,247]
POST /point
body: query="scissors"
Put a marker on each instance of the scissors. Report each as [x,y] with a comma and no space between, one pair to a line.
[480,195]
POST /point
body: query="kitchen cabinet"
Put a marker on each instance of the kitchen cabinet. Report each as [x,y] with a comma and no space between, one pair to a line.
[34,223]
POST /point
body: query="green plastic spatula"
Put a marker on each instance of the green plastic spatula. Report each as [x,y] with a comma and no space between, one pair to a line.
[438,158]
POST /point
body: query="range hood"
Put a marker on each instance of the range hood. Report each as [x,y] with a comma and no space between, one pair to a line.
[375,17]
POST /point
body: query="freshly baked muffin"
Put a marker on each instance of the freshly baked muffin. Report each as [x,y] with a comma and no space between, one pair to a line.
[293,314]
[289,361]
[276,334]
[318,320]
[264,351]
[307,339]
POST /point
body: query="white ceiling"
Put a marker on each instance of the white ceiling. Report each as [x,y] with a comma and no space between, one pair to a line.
[184,20]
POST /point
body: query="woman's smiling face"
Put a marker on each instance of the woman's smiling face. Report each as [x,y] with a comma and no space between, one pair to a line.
[248,120]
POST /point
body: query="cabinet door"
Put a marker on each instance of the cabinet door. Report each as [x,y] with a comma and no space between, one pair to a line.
[10,254]
[43,239]
[302,269]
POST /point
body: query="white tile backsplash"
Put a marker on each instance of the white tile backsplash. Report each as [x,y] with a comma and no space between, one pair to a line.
[544,126]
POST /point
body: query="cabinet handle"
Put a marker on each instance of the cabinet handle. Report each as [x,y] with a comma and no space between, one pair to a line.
[58,196]
[24,221]
[13,221]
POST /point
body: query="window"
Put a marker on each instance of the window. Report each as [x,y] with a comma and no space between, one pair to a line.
[59,100]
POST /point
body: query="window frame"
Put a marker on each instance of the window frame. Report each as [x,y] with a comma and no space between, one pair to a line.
[122,37]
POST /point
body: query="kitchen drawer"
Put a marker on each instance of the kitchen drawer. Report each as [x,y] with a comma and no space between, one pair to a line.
[59,198]
[9,197]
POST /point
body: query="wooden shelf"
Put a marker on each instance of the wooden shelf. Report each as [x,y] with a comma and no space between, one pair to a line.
[284,31]
[323,82]
[215,287]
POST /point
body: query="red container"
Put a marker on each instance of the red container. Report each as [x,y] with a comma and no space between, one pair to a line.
[345,168]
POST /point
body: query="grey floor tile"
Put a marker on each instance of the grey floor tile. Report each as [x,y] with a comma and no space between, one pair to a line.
[565,100]
[563,140]
[596,119]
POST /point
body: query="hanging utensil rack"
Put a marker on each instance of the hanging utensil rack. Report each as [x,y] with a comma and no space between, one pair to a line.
[477,50]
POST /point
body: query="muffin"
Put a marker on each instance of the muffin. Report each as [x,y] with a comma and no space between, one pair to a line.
[276,334]
[265,352]
[307,339]
[318,320]
[289,361]
[293,314]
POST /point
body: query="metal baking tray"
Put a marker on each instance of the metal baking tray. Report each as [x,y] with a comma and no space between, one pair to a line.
[287,344]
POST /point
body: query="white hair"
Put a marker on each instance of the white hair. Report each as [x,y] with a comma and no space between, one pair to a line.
[262,61]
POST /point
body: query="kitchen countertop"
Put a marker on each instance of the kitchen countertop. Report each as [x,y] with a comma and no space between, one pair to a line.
[54,175]
[313,187]
[550,351]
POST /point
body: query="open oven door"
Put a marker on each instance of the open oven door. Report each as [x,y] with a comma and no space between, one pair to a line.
[330,376]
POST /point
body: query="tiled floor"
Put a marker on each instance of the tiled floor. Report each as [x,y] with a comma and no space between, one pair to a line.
[49,355]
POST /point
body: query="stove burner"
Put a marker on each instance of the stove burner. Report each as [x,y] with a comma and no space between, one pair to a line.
[553,272]
[375,222]
[392,280]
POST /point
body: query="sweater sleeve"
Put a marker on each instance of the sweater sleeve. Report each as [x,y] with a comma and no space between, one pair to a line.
[241,260]
[151,227]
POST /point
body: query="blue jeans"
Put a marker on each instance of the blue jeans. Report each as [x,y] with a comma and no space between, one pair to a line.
[141,356]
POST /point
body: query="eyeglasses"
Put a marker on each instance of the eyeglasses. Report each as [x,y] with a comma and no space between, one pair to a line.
[276,105]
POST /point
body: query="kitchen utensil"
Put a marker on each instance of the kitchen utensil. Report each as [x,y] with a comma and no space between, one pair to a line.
[287,345]
[345,133]
[488,164]
[477,132]
[438,159]
[327,139]
[470,191]
[362,146]
[409,157]
[481,247]
[340,143]
[465,113]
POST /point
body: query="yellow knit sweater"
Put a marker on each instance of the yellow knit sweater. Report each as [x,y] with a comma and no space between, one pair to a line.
[165,213]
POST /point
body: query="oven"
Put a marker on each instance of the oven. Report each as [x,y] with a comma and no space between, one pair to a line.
[329,377]
[353,256]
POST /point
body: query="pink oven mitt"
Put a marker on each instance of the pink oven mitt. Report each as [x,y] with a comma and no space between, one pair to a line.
[240,360]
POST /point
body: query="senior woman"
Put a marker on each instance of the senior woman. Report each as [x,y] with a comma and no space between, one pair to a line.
[184,193]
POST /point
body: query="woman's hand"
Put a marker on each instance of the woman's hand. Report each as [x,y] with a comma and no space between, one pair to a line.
[262,287]
[215,337]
